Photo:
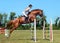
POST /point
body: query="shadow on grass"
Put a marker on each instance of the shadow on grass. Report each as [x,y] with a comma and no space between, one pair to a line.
[27,39]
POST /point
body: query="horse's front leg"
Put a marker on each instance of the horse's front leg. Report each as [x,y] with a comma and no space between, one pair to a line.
[29,19]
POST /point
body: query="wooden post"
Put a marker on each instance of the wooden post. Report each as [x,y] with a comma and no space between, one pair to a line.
[44,31]
[35,30]
[51,32]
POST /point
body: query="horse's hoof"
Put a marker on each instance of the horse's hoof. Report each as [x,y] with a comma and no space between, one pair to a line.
[7,35]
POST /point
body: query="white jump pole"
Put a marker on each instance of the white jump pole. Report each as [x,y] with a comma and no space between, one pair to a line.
[44,31]
[35,30]
[51,31]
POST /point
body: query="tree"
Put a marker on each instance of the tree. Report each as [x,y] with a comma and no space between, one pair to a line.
[1,19]
[40,21]
[57,23]
[43,19]
[12,15]
[5,18]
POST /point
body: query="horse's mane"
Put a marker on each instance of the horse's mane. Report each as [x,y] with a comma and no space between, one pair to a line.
[35,10]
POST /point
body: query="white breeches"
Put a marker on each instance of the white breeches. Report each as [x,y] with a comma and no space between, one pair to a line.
[25,14]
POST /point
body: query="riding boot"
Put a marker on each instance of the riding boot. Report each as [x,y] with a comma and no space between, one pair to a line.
[26,19]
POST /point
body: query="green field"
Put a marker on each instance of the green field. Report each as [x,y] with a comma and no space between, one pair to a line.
[24,36]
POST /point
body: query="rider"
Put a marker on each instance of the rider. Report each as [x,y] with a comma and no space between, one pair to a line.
[26,11]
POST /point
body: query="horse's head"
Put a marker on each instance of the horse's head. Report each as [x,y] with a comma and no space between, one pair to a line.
[36,12]
[41,13]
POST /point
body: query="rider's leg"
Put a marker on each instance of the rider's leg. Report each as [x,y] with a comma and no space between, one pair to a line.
[24,14]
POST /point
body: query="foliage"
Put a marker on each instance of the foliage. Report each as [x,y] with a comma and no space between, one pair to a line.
[12,15]
[57,23]
[1,19]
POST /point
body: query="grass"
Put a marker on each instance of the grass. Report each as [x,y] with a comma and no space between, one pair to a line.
[24,36]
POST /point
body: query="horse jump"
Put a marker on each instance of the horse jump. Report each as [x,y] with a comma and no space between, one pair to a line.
[50,31]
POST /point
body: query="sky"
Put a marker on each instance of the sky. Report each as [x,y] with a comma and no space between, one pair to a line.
[51,8]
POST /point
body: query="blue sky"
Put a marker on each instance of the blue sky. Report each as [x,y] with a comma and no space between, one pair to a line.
[51,8]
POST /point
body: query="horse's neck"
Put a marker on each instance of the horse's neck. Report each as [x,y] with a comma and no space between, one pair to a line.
[28,13]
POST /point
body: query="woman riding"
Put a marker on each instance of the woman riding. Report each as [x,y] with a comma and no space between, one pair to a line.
[26,11]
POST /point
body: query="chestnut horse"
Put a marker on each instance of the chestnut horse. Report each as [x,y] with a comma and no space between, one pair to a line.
[13,24]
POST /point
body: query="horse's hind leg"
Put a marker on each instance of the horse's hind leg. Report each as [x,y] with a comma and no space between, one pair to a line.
[14,27]
[9,25]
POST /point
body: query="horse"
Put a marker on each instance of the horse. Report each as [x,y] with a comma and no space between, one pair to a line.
[13,24]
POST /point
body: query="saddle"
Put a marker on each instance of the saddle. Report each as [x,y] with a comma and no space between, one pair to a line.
[26,18]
